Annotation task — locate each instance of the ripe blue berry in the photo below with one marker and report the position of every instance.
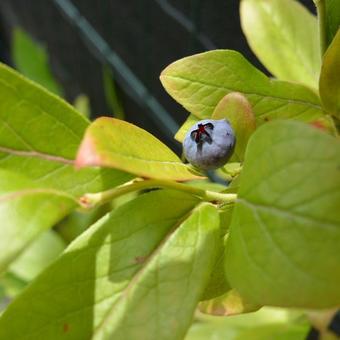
(209, 143)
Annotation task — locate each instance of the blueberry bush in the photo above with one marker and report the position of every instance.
(152, 243)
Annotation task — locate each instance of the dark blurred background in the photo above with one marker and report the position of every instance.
(129, 42)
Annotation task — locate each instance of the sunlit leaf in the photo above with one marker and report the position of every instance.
(26, 210)
(207, 185)
(38, 255)
(114, 143)
(40, 135)
(133, 264)
(237, 110)
(230, 303)
(200, 81)
(190, 121)
(266, 324)
(284, 36)
(161, 301)
(329, 78)
(283, 246)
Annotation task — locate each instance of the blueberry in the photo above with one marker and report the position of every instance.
(209, 143)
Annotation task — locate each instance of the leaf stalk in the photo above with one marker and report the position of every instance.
(91, 200)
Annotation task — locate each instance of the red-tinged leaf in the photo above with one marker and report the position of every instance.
(114, 143)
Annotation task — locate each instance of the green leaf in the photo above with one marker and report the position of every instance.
(237, 110)
(31, 60)
(332, 20)
(200, 81)
(2, 296)
(230, 171)
(190, 121)
(26, 210)
(82, 105)
(206, 184)
(218, 283)
(329, 78)
(283, 247)
(38, 256)
(114, 143)
(230, 303)
(266, 324)
(111, 94)
(12, 286)
(40, 135)
(162, 300)
(79, 220)
(277, 332)
(109, 267)
(284, 36)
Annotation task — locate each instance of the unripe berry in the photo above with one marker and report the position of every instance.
(209, 143)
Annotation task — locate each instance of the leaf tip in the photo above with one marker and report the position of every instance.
(162, 77)
(86, 155)
(324, 124)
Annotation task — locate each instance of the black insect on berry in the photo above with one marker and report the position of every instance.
(209, 143)
(197, 134)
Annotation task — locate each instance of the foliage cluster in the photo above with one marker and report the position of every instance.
(140, 261)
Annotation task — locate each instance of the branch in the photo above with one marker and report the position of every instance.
(92, 200)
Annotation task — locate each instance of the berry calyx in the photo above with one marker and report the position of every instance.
(202, 129)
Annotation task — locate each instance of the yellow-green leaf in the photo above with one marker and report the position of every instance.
(200, 81)
(230, 303)
(265, 324)
(139, 270)
(114, 143)
(190, 121)
(26, 210)
(283, 244)
(218, 283)
(38, 256)
(329, 78)
(237, 110)
(332, 19)
(31, 59)
(284, 36)
(39, 137)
